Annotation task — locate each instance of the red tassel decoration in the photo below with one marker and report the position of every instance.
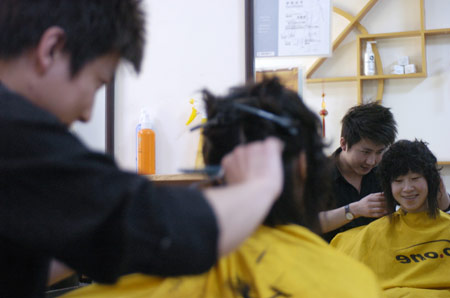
(323, 112)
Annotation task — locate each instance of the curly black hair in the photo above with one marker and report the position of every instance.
(300, 201)
(405, 156)
(370, 121)
(92, 28)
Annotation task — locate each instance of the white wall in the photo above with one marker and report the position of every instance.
(93, 132)
(421, 106)
(191, 45)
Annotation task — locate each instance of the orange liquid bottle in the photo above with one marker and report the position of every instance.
(146, 149)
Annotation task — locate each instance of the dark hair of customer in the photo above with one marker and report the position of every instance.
(302, 197)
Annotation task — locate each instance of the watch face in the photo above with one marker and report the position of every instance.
(349, 216)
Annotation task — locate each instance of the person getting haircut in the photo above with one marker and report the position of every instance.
(304, 193)
(407, 249)
(404, 157)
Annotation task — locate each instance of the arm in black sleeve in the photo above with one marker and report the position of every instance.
(61, 200)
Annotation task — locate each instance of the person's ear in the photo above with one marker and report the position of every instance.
(303, 166)
(343, 144)
(51, 43)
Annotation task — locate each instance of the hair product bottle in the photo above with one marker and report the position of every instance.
(145, 145)
(369, 60)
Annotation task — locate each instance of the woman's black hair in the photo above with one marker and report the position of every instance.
(299, 202)
(410, 156)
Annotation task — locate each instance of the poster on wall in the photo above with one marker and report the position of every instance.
(291, 78)
(292, 28)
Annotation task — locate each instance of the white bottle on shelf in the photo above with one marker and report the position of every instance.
(369, 60)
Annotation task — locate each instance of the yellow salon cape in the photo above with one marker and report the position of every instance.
(410, 254)
(287, 261)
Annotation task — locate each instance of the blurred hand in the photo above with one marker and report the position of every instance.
(373, 205)
(257, 162)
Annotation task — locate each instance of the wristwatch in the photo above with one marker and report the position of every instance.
(348, 214)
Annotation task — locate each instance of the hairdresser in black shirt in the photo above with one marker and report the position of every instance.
(60, 200)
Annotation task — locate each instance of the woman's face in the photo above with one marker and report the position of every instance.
(411, 191)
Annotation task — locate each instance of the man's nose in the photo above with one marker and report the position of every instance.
(371, 160)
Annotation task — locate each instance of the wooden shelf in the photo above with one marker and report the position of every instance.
(362, 77)
(354, 23)
(391, 35)
(333, 79)
(364, 37)
(444, 163)
(177, 179)
(437, 31)
(394, 76)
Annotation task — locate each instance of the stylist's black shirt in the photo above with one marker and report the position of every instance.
(344, 193)
(60, 200)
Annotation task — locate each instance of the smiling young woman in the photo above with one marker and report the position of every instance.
(411, 191)
(409, 249)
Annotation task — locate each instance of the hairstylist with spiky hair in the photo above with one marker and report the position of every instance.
(60, 200)
(367, 130)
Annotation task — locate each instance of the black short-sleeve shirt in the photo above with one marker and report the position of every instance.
(60, 200)
(344, 193)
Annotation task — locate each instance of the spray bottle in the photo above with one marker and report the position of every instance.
(369, 60)
(145, 145)
(198, 109)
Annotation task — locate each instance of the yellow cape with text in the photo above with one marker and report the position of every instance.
(286, 261)
(410, 254)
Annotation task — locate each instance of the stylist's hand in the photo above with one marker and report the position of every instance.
(373, 205)
(258, 162)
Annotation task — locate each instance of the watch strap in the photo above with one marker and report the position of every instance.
(348, 214)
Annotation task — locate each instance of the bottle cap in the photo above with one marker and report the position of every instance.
(144, 119)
